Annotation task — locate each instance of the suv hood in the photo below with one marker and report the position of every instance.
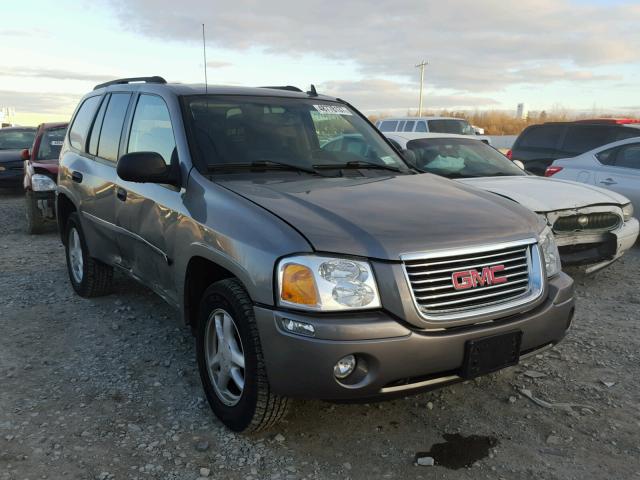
(385, 217)
(546, 194)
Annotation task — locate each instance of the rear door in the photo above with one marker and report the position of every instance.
(89, 181)
(619, 171)
(147, 212)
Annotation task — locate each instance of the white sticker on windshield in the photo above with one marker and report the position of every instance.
(332, 109)
(57, 143)
(388, 160)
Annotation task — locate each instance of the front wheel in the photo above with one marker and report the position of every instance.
(89, 277)
(230, 360)
(35, 222)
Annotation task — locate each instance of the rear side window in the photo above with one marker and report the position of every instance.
(94, 136)
(151, 130)
(51, 143)
(82, 122)
(112, 126)
(582, 138)
(541, 136)
(388, 126)
(408, 127)
(421, 126)
(629, 156)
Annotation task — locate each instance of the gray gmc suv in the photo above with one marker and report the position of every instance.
(305, 267)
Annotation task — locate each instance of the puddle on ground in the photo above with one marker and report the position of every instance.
(459, 451)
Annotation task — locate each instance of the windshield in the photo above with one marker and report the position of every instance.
(302, 133)
(460, 158)
(51, 143)
(451, 125)
(11, 139)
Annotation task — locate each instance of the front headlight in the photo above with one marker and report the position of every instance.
(550, 252)
(318, 283)
(42, 183)
(627, 211)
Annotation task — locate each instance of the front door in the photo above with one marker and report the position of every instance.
(147, 213)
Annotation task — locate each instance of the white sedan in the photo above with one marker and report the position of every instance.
(593, 226)
(615, 166)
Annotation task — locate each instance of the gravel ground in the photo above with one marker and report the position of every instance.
(108, 389)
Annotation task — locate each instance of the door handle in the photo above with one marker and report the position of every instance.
(76, 177)
(608, 181)
(121, 193)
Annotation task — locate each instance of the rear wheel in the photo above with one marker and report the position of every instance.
(35, 222)
(230, 360)
(89, 277)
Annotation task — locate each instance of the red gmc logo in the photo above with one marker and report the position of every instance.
(472, 278)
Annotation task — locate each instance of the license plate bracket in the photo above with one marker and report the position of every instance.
(488, 354)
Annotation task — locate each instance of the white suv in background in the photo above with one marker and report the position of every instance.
(452, 125)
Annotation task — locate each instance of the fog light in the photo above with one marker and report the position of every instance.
(344, 367)
(299, 328)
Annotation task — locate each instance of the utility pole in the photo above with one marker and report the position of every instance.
(421, 66)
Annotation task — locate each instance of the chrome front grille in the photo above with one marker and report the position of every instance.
(433, 278)
(596, 221)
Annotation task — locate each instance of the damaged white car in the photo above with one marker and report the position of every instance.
(592, 226)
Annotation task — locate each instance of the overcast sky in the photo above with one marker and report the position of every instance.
(482, 54)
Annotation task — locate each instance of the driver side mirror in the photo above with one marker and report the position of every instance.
(25, 154)
(409, 157)
(147, 167)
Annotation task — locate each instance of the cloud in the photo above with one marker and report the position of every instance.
(385, 95)
(471, 45)
(44, 103)
(218, 64)
(55, 74)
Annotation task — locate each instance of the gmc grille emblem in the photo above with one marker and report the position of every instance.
(473, 278)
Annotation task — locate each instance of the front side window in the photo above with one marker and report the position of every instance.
(109, 142)
(82, 122)
(582, 138)
(451, 125)
(304, 133)
(51, 143)
(14, 139)
(151, 130)
(461, 158)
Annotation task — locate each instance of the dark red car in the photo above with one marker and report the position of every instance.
(41, 174)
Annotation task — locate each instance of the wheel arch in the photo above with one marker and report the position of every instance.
(64, 208)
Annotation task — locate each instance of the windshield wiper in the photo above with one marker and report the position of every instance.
(259, 164)
(360, 164)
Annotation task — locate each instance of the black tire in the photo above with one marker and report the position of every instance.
(97, 277)
(258, 408)
(35, 222)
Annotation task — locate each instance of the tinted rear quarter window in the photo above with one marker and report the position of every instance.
(629, 156)
(388, 126)
(82, 122)
(112, 126)
(421, 126)
(541, 137)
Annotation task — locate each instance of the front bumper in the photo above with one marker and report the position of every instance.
(398, 359)
(595, 251)
(11, 174)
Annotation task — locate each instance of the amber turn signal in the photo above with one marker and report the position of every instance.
(298, 285)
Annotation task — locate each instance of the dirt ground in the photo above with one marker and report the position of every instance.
(108, 389)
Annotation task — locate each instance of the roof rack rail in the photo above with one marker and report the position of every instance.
(124, 81)
(290, 88)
